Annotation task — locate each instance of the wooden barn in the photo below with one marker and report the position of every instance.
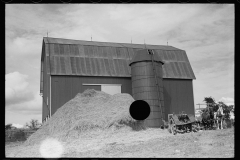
(72, 66)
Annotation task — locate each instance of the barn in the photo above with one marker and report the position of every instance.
(72, 66)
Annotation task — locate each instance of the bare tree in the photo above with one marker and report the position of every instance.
(33, 124)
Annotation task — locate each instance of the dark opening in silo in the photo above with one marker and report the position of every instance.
(147, 84)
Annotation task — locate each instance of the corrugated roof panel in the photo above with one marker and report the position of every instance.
(52, 67)
(73, 65)
(114, 52)
(181, 55)
(87, 51)
(159, 53)
(93, 66)
(115, 63)
(185, 56)
(107, 66)
(46, 50)
(58, 64)
(171, 70)
(164, 71)
(90, 50)
(178, 56)
(175, 74)
(94, 51)
(78, 66)
(111, 66)
(109, 53)
(186, 69)
(131, 52)
(121, 67)
(182, 70)
(66, 50)
(165, 56)
(100, 52)
(81, 50)
(62, 61)
(178, 69)
(55, 49)
(168, 55)
(61, 49)
(190, 71)
(122, 53)
(102, 65)
(174, 57)
(88, 66)
(97, 65)
(105, 54)
(83, 66)
(47, 65)
(126, 68)
(73, 50)
(68, 65)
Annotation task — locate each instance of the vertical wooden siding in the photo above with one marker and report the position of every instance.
(178, 96)
(64, 88)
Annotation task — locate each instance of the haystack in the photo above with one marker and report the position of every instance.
(88, 111)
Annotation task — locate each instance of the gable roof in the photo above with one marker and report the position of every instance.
(91, 58)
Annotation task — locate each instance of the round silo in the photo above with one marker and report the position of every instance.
(147, 84)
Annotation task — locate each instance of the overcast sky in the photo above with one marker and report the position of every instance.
(204, 31)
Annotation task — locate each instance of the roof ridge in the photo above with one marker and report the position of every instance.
(122, 44)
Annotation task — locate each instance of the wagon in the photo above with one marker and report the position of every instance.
(180, 123)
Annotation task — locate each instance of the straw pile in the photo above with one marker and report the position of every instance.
(88, 111)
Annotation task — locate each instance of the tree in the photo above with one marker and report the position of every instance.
(33, 124)
(8, 126)
(211, 103)
(209, 100)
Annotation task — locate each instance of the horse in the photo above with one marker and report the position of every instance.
(232, 118)
(220, 117)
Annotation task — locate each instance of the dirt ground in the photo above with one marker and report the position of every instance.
(149, 143)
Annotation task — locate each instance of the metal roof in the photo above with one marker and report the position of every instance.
(91, 58)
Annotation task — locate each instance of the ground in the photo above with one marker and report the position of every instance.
(156, 143)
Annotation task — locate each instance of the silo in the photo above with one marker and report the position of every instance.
(147, 84)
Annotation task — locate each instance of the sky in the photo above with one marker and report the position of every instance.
(204, 31)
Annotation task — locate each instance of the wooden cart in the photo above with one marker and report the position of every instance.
(178, 126)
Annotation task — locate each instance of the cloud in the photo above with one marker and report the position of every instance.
(16, 88)
(17, 125)
(227, 100)
(34, 106)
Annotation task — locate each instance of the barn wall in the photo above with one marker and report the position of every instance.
(46, 85)
(178, 96)
(45, 91)
(64, 88)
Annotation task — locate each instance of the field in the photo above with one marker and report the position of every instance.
(124, 142)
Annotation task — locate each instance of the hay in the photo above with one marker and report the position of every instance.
(87, 112)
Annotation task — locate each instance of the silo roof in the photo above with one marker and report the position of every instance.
(143, 55)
